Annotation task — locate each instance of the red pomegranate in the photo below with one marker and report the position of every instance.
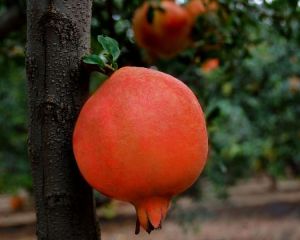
(141, 138)
(169, 31)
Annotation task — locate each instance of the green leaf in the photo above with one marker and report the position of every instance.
(93, 59)
(110, 45)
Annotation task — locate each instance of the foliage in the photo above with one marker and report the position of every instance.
(107, 58)
(251, 101)
(14, 167)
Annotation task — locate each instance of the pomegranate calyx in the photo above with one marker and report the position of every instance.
(151, 213)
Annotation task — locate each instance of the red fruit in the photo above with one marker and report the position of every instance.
(16, 203)
(141, 138)
(210, 65)
(197, 7)
(166, 33)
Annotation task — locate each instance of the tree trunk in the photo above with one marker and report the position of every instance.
(58, 36)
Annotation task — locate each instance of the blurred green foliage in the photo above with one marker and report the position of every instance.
(251, 101)
(14, 166)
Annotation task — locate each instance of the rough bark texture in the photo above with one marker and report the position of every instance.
(58, 36)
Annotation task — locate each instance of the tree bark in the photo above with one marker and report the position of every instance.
(58, 35)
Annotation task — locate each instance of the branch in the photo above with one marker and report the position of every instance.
(89, 68)
(11, 20)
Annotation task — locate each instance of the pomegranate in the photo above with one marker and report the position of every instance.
(166, 33)
(197, 7)
(210, 65)
(16, 203)
(141, 138)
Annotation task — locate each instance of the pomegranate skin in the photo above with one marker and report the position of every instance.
(141, 138)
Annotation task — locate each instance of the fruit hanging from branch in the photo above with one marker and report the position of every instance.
(141, 138)
(163, 28)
